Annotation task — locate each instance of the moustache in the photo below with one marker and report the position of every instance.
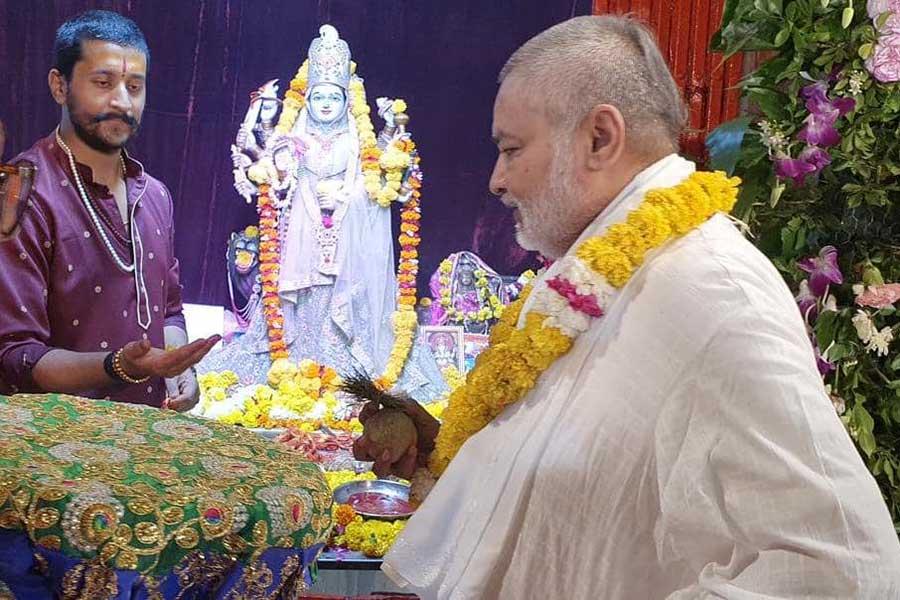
(128, 120)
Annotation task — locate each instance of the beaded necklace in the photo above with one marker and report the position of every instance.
(95, 218)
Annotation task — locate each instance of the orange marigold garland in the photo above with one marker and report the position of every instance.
(269, 267)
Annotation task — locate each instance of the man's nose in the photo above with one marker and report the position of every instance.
(497, 184)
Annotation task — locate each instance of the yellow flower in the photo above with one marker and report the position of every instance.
(280, 370)
(399, 106)
(308, 368)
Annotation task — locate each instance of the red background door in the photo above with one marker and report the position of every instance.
(683, 29)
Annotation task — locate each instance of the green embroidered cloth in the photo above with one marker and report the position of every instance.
(141, 489)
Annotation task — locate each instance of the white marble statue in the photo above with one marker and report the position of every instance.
(337, 271)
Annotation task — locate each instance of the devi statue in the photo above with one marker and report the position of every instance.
(323, 183)
(467, 292)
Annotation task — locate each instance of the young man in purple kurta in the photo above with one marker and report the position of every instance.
(89, 290)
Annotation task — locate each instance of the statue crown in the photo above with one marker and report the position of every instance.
(329, 59)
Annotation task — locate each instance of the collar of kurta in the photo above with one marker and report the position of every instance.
(133, 170)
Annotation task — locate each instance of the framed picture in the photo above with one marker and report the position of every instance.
(473, 345)
(446, 345)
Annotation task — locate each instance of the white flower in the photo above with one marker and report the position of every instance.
(865, 329)
(772, 136)
(830, 304)
(879, 341)
(856, 82)
(858, 289)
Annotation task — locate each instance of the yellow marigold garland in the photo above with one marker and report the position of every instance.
(516, 357)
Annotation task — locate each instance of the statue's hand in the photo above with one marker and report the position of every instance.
(385, 110)
(245, 139)
(328, 200)
(239, 160)
(244, 186)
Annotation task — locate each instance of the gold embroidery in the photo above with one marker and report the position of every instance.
(51, 542)
(147, 533)
(89, 581)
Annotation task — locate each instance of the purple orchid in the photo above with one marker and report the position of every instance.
(819, 129)
(815, 156)
(825, 367)
(823, 270)
(810, 162)
(793, 168)
(807, 302)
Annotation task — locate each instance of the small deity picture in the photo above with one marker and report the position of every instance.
(446, 344)
(473, 345)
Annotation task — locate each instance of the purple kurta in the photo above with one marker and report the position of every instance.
(59, 286)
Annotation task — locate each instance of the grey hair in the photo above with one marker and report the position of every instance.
(586, 61)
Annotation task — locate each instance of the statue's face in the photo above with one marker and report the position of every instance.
(283, 159)
(467, 275)
(268, 109)
(246, 253)
(327, 102)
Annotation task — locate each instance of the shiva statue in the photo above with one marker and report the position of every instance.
(332, 275)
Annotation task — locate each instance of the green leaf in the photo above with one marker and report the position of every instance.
(889, 471)
(839, 352)
(783, 36)
(826, 326)
(895, 366)
(865, 51)
(867, 442)
(863, 419)
(773, 104)
(775, 195)
(882, 19)
(847, 17)
(724, 144)
(864, 424)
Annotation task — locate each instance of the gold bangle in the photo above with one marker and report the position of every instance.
(120, 370)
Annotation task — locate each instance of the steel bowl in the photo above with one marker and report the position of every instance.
(382, 486)
(269, 434)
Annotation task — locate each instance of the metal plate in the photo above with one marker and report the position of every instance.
(269, 434)
(382, 486)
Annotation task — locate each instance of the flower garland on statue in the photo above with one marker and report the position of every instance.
(494, 308)
(269, 269)
(383, 173)
(566, 305)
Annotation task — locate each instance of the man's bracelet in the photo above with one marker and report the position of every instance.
(112, 364)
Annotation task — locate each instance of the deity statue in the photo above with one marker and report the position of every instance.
(323, 183)
(242, 264)
(469, 293)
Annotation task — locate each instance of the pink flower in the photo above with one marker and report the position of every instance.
(584, 303)
(884, 64)
(880, 296)
(876, 8)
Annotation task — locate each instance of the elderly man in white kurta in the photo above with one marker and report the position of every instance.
(685, 446)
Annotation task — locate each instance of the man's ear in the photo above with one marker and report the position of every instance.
(59, 87)
(604, 127)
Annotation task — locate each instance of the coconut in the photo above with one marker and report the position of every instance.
(392, 430)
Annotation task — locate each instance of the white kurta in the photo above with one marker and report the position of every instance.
(684, 448)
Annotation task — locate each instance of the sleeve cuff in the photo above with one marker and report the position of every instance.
(17, 364)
